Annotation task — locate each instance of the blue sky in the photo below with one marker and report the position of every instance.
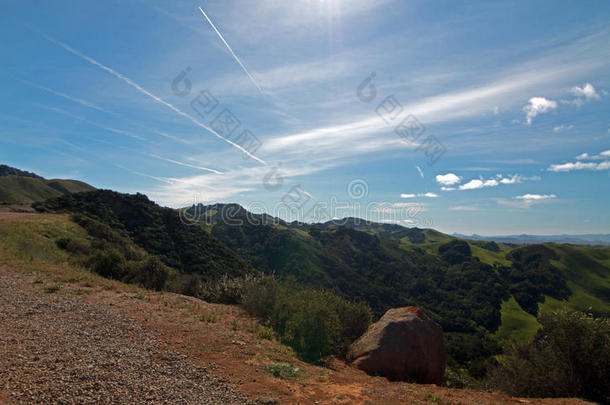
(515, 95)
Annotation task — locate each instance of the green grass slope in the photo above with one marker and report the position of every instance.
(21, 190)
(517, 325)
(587, 271)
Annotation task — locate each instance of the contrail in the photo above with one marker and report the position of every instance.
(185, 164)
(66, 96)
(173, 138)
(231, 50)
(151, 95)
(69, 114)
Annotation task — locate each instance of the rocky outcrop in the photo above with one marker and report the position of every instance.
(404, 345)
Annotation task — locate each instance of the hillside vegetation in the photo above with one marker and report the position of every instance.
(155, 335)
(18, 187)
(484, 294)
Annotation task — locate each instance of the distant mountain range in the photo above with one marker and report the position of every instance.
(587, 239)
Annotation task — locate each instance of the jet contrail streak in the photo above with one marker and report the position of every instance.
(66, 96)
(151, 95)
(185, 164)
(231, 50)
(69, 114)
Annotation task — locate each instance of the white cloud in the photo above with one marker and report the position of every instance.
(587, 91)
(535, 196)
(448, 179)
(562, 128)
(585, 156)
(420, 171)
(603, 165)
(472, 185)
(537, 106)
(476, 184)
(582, 94)
(580, 165)
(426, 195)
(511, 180)
(479, 183)
(567, 167)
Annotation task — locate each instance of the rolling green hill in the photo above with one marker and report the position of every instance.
(160, 231)
(18, 187)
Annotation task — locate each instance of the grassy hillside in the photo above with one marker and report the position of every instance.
(26, 190)
(18, 187)
(160, 231)
(587, 271)
(517, 325)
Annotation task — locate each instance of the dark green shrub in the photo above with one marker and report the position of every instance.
(226, 290)
(570, 356)
(285, 371)
(187, 284)
(110, 264)
(73, 246)
(456, 251)
(260, 297)
(315, 323)
(150, 273)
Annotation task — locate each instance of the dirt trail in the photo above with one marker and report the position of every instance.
(58, 349)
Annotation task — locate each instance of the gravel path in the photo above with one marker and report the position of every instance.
(57, 349)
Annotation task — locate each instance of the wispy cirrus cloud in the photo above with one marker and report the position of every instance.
(425, 195)
(525, 201)
(536, 197)
(464, 208)
(563, 128)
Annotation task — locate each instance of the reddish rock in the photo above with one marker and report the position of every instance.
(404, 345)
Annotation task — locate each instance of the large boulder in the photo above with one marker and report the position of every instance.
(404, 345)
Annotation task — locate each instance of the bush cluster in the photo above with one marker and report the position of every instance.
(112, 255)
(570, 356)
(315, 323)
